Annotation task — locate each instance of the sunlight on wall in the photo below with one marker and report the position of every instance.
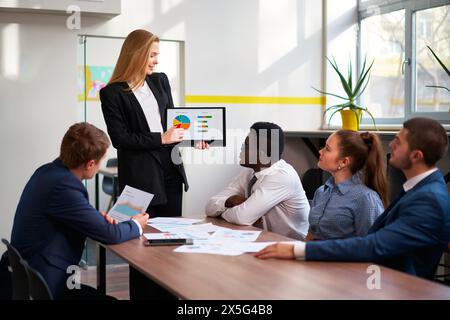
(276, 36)
(341, 36)
(10, 51)
(177, 32)
(313, 18)
(273, 89)
(169, 63)
(168, 5)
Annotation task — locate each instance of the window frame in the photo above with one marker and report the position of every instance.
(365, 10)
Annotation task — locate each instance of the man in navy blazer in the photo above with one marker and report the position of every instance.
(54, 217)
(414, 230)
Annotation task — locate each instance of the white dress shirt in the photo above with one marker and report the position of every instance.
(150, 107)
(300, 247)
(411, 183)
(277, 197)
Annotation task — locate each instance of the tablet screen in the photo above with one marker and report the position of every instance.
(207, 124)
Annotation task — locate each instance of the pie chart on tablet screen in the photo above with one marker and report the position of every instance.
(182, 121)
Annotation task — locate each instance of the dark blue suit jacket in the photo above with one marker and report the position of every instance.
(52, 221)
(409, 236)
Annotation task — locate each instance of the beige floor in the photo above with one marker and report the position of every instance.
(116, 280)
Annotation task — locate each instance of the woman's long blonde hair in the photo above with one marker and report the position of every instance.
(133, 58)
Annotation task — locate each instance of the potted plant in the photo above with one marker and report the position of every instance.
(443, 67)
(350, 112)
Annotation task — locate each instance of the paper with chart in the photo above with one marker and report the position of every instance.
(131, 202)
(171, 235)
(209, 247)
(236, 235)
(224, 247)
(178, 235)
(166, 224)
(172, 221)
(247, 247)
(184, 227)
(204, 227)
(242, 247)
(200, 123)
(227, 242)
(222, 241)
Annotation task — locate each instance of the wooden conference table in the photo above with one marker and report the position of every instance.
(207, 276)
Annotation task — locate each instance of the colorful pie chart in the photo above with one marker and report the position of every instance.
(182, 121)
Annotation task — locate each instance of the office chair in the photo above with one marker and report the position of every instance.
(312, 179)
(38, 288)
(447, 177)
(110, 185)
(19, 279)
(445, 276)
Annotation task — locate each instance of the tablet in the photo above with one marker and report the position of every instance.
(200, 123)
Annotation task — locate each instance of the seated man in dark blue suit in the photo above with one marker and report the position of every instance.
(54, 217)
(414, 230)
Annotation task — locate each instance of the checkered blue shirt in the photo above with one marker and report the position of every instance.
(344, 210)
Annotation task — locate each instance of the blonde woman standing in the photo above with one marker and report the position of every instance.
(134, 106)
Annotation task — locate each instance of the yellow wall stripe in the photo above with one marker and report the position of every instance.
(255, 100)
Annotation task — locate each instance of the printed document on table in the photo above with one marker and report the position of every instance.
(226, 248)
(178, 235)
(204, 227)
(131, 202)
(249, 246)
(236, 235)
(211, 248)
(232, 245)
(172, 221)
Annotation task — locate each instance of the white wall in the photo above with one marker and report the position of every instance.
(37, 100)
(233, 47)
(249, 48)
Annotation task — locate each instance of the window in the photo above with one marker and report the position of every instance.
(436, 34)
(396, 34)
(384, 41)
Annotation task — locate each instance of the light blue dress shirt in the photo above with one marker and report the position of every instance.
(344, 210)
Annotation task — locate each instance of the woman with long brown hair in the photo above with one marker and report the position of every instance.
(356, 194)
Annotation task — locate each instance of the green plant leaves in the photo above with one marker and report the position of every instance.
(443, 67)
(343, 80)
(440, 62)
(360, 84)
(440, 87)
(331, 94)
(362, 78)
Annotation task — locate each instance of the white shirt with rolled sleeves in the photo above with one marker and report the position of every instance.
(277, 197)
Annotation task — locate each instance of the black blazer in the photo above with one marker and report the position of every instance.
(138, 149)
